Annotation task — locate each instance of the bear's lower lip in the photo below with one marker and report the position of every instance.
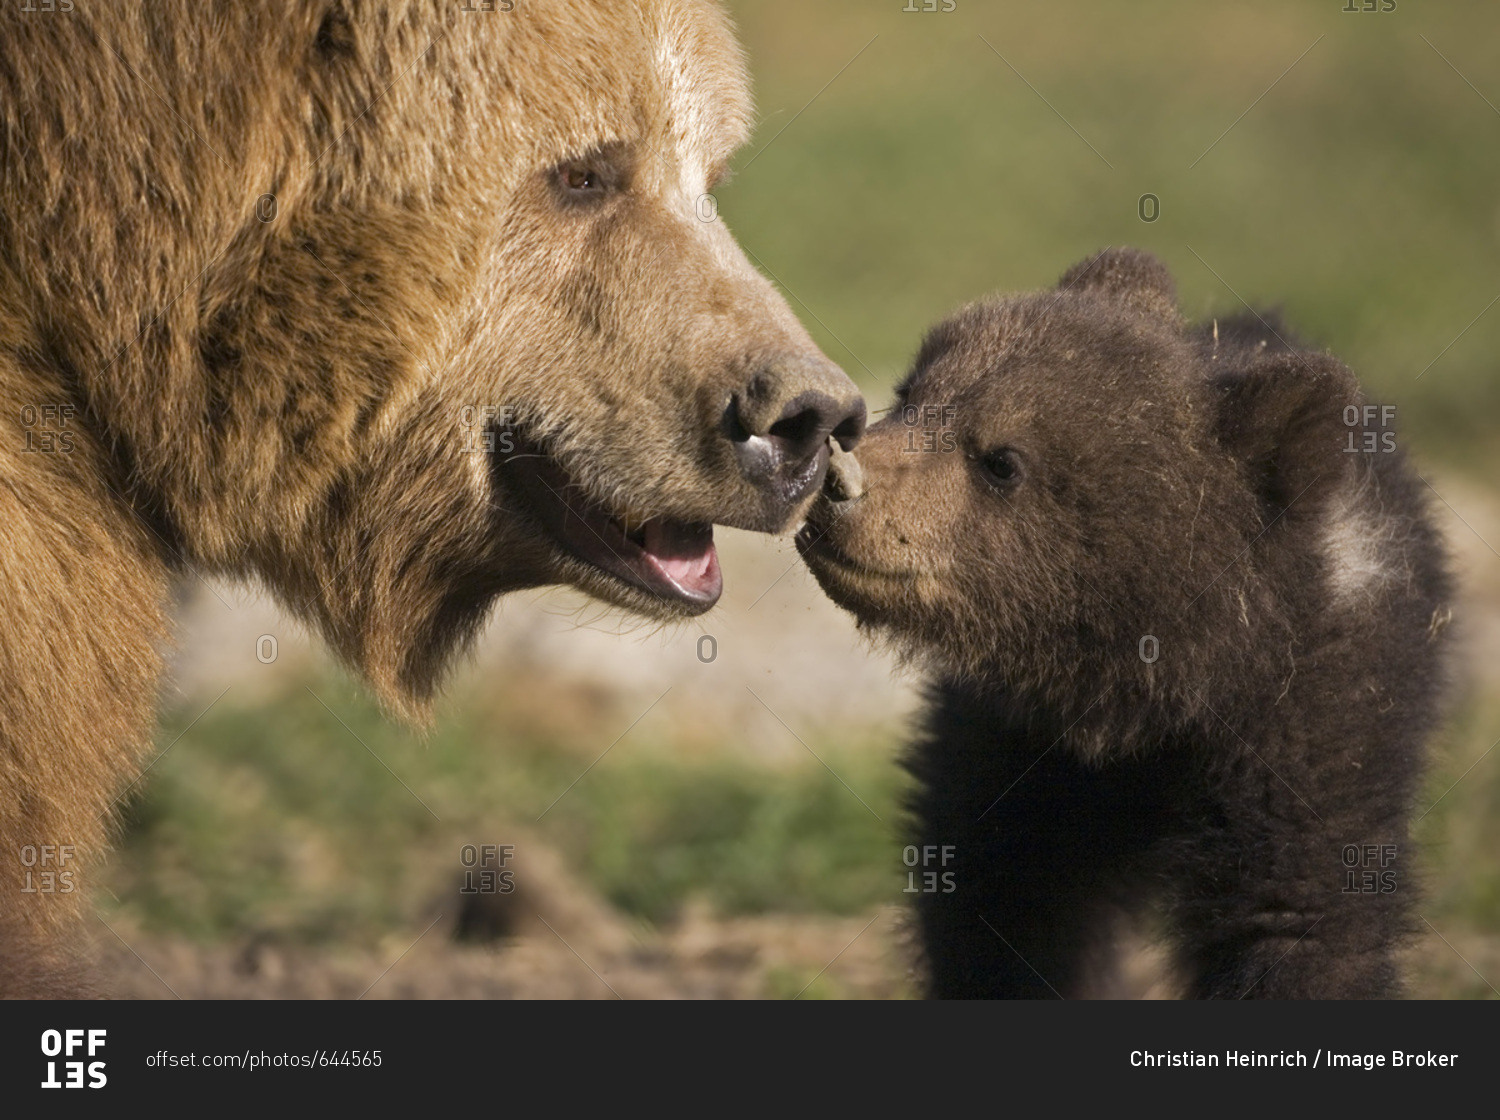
(670, 560)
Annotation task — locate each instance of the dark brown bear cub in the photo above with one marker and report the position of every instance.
(1185, 610)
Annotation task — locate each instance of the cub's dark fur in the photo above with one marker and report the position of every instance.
(1186, 610)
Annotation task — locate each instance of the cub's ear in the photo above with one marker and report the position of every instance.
(1134, 277)
(1284, 418)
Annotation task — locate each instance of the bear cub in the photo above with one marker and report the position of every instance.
(1184, 609)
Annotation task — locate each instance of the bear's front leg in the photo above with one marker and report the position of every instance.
(1032, 859)
(84, 598)
(1293, 895)
(1333, 952)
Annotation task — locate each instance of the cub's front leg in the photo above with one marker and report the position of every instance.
(1020, 860)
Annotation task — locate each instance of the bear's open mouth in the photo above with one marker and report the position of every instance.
(668, 559)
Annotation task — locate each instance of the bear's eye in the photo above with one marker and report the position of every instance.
(1001, 468)
(582, 180)
(592, 176)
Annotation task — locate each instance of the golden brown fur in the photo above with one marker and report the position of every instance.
(282, 390)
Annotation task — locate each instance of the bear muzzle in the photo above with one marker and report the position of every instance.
(783, 426)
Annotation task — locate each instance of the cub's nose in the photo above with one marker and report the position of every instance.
(781, 421)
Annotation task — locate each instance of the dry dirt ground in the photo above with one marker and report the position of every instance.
(583, 950)
(747, 958)
(553, 939)
(558, 940)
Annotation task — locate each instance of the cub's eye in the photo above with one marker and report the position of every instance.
(1001, 468)
(581, 179)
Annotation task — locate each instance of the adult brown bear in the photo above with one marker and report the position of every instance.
(394, 307)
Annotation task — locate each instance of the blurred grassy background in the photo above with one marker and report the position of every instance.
(291, 823)
(1357, 191)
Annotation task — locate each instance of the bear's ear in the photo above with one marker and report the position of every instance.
(1131, 276)
(1285, 418)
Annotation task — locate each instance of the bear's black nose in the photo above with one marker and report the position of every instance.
(780, 424)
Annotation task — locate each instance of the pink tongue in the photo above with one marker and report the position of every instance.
(685, 553)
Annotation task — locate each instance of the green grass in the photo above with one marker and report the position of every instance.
(278, 818)
(1458, 838)
(1460, 827)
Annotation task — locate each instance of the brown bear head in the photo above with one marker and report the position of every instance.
(399, 306)
(1076, 497)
